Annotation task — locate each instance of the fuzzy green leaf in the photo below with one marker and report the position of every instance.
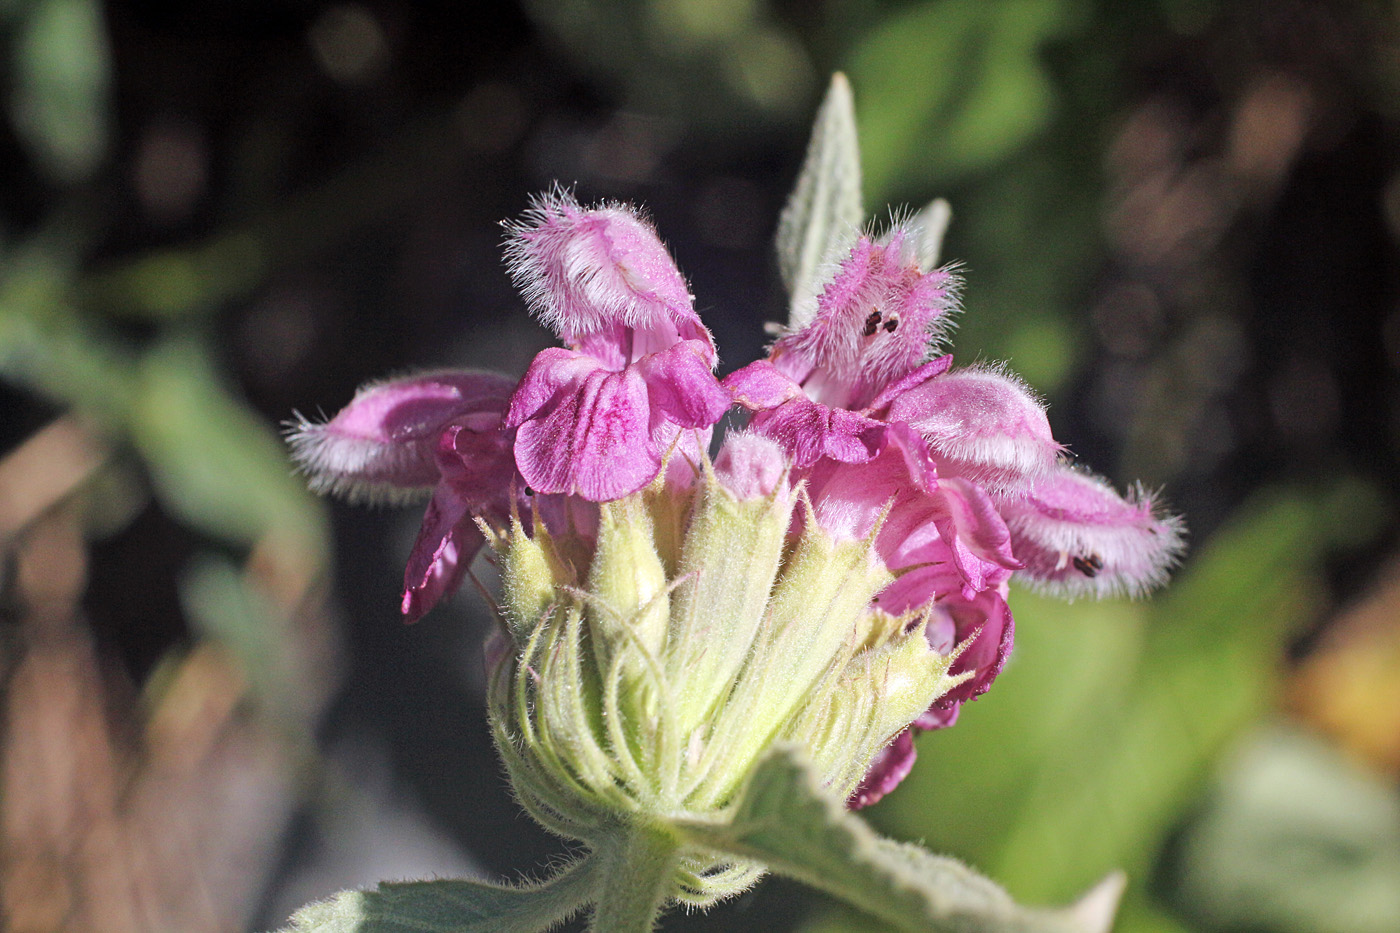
(825, 212)
(785, 821)
(452, 906)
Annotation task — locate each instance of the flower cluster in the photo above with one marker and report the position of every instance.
(858, 536)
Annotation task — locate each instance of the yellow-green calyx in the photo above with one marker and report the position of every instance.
(651, 668)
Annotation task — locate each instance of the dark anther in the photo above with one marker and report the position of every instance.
(531, 492)
(872, 321)
(1089, 566)
(891, 324)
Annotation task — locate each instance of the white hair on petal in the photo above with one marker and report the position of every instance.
(1127, 554)
(340, 465)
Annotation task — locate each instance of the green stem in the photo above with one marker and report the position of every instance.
(640, 866)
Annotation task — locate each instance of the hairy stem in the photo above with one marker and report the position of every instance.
(639, 871)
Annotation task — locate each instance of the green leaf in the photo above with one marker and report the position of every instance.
(216, 464)
(953, 86)
(62, 77)
(787, 822)
(824, 213)
(452, 906)
(1295, 836)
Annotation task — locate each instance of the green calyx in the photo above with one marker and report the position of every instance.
(656, 664)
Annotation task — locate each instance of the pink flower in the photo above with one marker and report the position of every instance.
(923, 521)
(834, 389)
(437, 431)
(597, 419)
(958, 466)
(1079, 537)
(865, 360)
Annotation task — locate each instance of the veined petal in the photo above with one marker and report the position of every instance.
(983, 424)
(382, 445)
(447, 541)
(761, 385)
(682, 387)
(591, 437)
(553, 370)
(1076, 536)
(602, 273)
(809, 431)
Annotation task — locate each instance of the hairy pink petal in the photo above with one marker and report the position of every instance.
(383, 443)
(1076, 536)
(875, 322)
(981, 424)
(891, 765)
(591, 438)
(602, 272)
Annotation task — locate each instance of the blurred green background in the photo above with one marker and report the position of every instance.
(1177, 218)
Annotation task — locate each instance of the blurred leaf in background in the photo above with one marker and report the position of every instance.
(61, 79)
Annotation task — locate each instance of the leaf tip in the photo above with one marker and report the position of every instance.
(1094, 912)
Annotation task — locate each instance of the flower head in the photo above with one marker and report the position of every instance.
(837, 577)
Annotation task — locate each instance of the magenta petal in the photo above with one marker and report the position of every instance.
(981, 424)
(984, 634)
(760, 386)
(681, 386)
(474, 459)
(1077, 536)
(891, 765)
(591, 438)
(809, 431)
(850, 497)
(934, 367)
(446, 544)
(980, 541)
(383, 443)
(935, 520)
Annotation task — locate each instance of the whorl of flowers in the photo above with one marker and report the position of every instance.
(835, 577)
